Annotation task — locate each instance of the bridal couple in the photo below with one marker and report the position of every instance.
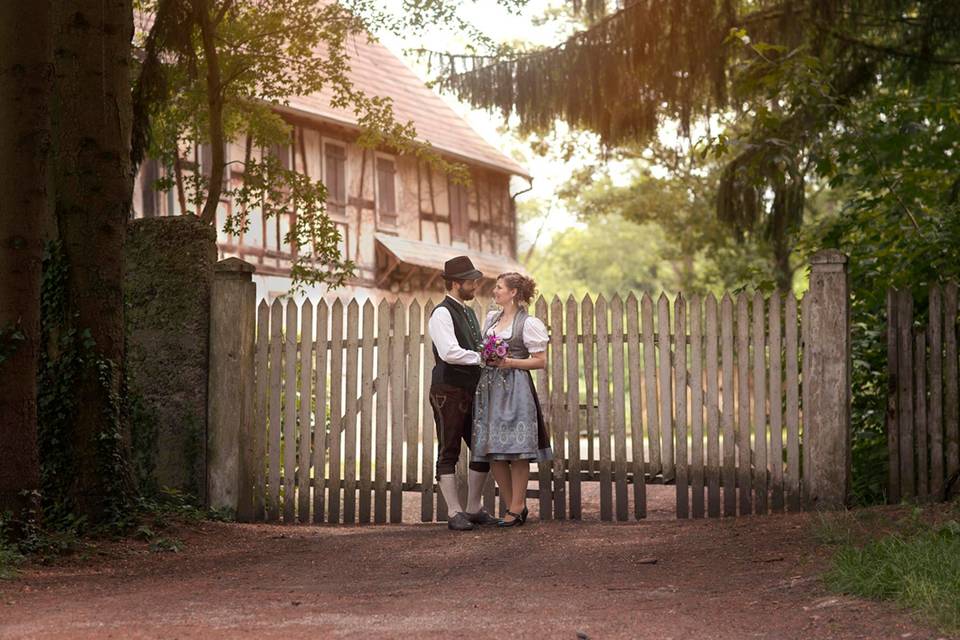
(487, 399)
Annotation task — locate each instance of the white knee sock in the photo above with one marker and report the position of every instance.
(475, 482)
(448, 487)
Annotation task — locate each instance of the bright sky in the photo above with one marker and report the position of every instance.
(548, 173)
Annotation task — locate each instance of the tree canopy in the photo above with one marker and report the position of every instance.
(786, 73)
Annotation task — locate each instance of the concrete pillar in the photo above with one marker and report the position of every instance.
(826, 378)
(230, 391)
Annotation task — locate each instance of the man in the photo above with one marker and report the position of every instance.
(455, 332)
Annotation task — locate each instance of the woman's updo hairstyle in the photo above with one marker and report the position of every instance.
(524, 286)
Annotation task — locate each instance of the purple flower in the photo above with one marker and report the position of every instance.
(501, 350)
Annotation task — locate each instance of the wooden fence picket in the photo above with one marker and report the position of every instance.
(336, 412)
(428, 430)
(545, 469)
(920, 413)
(935, 373)
(573, 408)
(776, 404)
(665, 380)
(650, 383)
(603, 387)
(558, 411)
(383, 405)
(905, 392)
(320, 440)
(397, 426)
(366, 411)
(290, 413)
(792, 404)
(951, 398)
(891, 418)
(412, 386)
(760, 472)
(638, 467)
(713, 409)
(680, 407)
(727, 408)
(276, 380)
(619, 424)
(696, 409)
(590, 410)
(305, 417)
(350, 414)
(262, 406)
(744, 459)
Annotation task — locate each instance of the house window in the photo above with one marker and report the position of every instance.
(204, 158)
(459, 217)
(282, 153)
(335, 178)
(386, 191)
(254, 236)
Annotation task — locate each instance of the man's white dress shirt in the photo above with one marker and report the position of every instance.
(444, 338)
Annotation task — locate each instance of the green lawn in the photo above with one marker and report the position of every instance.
(917, 565)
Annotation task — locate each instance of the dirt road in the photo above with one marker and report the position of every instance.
(745, 578)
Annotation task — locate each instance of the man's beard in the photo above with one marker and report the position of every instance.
(467, 295)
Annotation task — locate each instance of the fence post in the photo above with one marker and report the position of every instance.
(230, 462)
(826, 423)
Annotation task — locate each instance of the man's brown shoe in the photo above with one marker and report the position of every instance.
(460, 522)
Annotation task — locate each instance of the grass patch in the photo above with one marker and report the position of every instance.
(917, 566)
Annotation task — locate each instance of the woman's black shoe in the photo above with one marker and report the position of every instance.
(516, 522)
(524, 514)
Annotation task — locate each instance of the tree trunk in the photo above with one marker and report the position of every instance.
(94, 181)
(215, 108)
(782, 268)
(26, 84)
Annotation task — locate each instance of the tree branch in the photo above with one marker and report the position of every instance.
(889, 50)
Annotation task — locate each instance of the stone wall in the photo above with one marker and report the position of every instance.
(170, 263)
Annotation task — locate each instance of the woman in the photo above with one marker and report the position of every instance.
(508, 427)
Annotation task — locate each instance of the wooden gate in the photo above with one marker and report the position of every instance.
(699, 393)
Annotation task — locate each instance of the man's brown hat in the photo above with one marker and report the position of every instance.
(460, 268)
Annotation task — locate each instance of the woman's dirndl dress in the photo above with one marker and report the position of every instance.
(507, 419)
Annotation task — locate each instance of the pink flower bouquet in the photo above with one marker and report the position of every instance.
(494, 348)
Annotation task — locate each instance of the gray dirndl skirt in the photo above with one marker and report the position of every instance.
(507, 419)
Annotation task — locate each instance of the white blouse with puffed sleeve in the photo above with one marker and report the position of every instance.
(535, 336)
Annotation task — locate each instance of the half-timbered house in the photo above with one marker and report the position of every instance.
(399, 218)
